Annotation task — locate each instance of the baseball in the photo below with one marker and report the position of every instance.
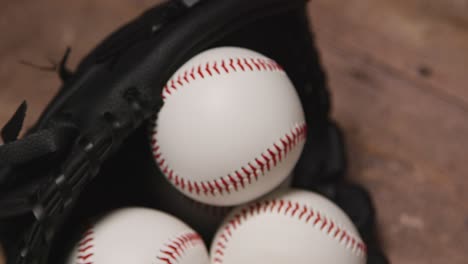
(290, 226)
(231, 128)
(139, 235)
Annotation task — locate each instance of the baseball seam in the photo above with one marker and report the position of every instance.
(292, 209)
(174, 250)
(86, 248)
(223, 66)
(241, 177)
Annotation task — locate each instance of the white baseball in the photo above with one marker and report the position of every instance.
(139, 235)
(290, 226)
(231, 128)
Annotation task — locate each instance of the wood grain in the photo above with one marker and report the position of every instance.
(451, 11)
(406, 127)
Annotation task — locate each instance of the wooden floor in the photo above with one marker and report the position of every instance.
(398, 71)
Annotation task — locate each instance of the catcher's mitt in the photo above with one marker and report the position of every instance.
(63, 166)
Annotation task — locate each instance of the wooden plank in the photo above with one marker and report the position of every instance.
(410, 155)
(452, 11)
(430, 51)
(407, 139)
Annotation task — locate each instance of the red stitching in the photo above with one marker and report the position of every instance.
(262, 63)
(175, 249)
(85, 248)
(248, 64)
(270, 158)
(186, 76)
(179, 80)
(353, 243)
(228, 66)
(223, 64)
(200, 72)
(215, 67)
(255, 63)
(170, 255)
(192, 73)
(231, 63)
(208, 69)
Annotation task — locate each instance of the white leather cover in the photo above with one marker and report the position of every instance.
(139, 235)
(289, 226)
(226, 112)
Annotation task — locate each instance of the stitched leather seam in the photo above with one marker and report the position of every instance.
(221, 67)
(291, 209)
(86, 248)
(240, 178)
(173, 251)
